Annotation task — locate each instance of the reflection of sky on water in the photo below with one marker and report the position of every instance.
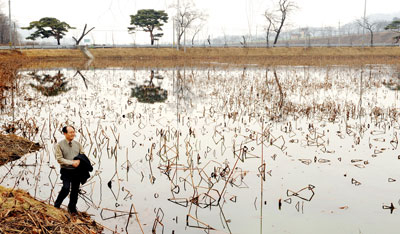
(351, 159)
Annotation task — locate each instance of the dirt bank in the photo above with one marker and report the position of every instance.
(13, 147)
(21, 213)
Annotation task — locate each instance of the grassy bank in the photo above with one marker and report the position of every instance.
(21, 213)
(168, 57)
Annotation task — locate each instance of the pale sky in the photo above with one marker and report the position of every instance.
(240, 17)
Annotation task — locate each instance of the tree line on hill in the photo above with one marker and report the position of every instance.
(350, 33)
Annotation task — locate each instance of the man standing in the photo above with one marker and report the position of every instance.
(65, 152)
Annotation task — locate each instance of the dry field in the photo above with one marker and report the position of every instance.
(168, 57)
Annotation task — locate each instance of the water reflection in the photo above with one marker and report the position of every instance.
(50, 85)
(394, 82)
(148, 92)
(228, 150)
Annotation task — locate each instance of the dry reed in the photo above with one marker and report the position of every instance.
(203, 57)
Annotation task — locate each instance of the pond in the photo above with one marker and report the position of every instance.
(219, 150)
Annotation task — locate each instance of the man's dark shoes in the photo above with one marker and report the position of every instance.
(72, 211)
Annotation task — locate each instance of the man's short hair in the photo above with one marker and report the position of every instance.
(64, 129)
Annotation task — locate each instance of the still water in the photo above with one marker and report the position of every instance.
(219, 150)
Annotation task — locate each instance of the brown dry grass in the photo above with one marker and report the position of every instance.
(215, 52)
(9, 63)
(13, 147)
(169, 57)
(21, 213)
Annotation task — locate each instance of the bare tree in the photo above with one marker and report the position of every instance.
(84, 33)
(365, 23)
(244, 43)
(196, 30)
(271, 20)
(285, 7)
(186, 17)
(197, 27)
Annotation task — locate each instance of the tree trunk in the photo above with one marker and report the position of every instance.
(180, 34)
(284, 7)
(151, 37)
(268, 30)
(1, 32)
(372, 38)
(1, 36)
(278, 32)
(179, 40)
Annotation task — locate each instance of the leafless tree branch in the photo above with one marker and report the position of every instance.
(84, 33)
(366, 24)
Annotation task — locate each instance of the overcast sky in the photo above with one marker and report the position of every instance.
(240, 17)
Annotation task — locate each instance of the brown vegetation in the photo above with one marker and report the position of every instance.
(9, 63)
(12, 147)
(169, 57)
(21, 213)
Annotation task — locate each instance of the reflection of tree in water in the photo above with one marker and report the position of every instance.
(149, 93)
(183, 88)
(50, 85)
(393, 83)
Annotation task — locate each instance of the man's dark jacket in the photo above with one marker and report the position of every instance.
(82, 171)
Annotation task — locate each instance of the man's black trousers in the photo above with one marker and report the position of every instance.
(70, 182)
